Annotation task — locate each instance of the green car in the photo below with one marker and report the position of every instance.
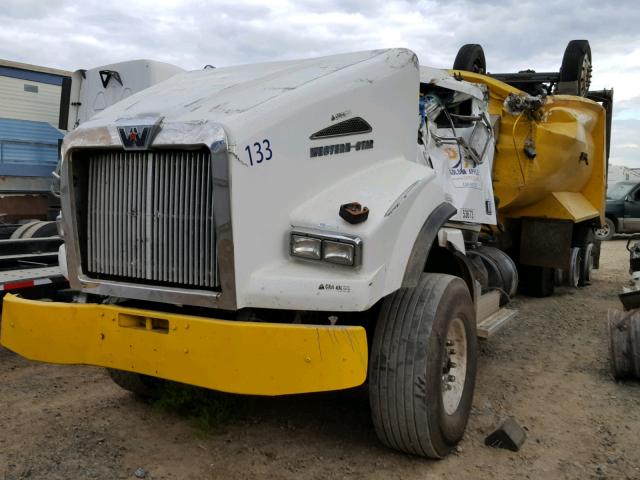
(623, 210)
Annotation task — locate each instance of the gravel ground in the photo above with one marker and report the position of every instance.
(548, 369)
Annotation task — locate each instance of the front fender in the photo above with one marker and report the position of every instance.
(401, 197)
(422, 246)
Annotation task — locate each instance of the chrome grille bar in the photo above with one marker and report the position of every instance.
(150, 217)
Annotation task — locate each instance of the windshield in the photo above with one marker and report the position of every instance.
(619, 190)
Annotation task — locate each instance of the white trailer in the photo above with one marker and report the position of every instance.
(98, 88)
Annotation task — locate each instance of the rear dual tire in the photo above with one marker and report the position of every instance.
(581, 264)
(587, 257)
(576, 66)
(471, 58)
(423, 366)
(575, 267)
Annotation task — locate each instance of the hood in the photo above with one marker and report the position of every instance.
(225, 94)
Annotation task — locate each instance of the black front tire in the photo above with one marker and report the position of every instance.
(142, 386)
(470, 58)
(410, 366)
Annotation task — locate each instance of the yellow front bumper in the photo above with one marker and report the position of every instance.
(230, 356)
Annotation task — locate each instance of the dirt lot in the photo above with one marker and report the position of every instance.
(548, 369)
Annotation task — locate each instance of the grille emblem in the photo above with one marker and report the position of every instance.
(137, 137)
(133, 135)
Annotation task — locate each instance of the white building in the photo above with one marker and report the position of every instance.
(620, 173)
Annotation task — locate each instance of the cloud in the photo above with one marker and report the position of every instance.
(625, 143)
(516, 34)
(627, 109)
(26, 9)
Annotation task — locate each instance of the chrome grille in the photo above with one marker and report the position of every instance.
(150, 217)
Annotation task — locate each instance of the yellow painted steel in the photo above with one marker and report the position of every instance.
(561, 205)
(567, 178)
(231, 356)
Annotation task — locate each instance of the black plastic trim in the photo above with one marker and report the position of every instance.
(351, 126)
(424, 241)
(65, 98)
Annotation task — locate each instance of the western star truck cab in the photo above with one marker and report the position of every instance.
(284, 228)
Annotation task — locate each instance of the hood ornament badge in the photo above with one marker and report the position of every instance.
(138, 136)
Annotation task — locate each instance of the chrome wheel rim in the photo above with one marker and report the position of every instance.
(585, 76)
(575, 269)
(454, 366)
(589, 264)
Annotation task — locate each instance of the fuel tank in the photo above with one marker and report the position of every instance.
(550, 160)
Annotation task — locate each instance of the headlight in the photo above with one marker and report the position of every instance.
(333, 248)
(306, 247)
(336, 252)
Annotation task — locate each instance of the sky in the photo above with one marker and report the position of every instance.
(515, 34)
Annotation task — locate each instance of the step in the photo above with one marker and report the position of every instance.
(487, 304)
(494, 322)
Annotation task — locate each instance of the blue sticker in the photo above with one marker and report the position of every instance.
(218, 146)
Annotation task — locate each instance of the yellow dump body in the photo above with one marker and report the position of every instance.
(567, 178)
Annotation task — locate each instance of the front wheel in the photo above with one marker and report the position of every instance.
(423, 366)
(142, 386)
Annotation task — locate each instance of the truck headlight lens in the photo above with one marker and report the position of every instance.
(306, 247)
(336, 252)
(337, 248)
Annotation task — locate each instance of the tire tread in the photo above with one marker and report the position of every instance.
(131, 382)
(400, 422)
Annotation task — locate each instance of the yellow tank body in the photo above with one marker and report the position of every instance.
(567, 178)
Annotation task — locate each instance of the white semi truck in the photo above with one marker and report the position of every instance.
(285, 228)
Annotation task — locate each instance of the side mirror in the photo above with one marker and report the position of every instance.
(627, 198)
